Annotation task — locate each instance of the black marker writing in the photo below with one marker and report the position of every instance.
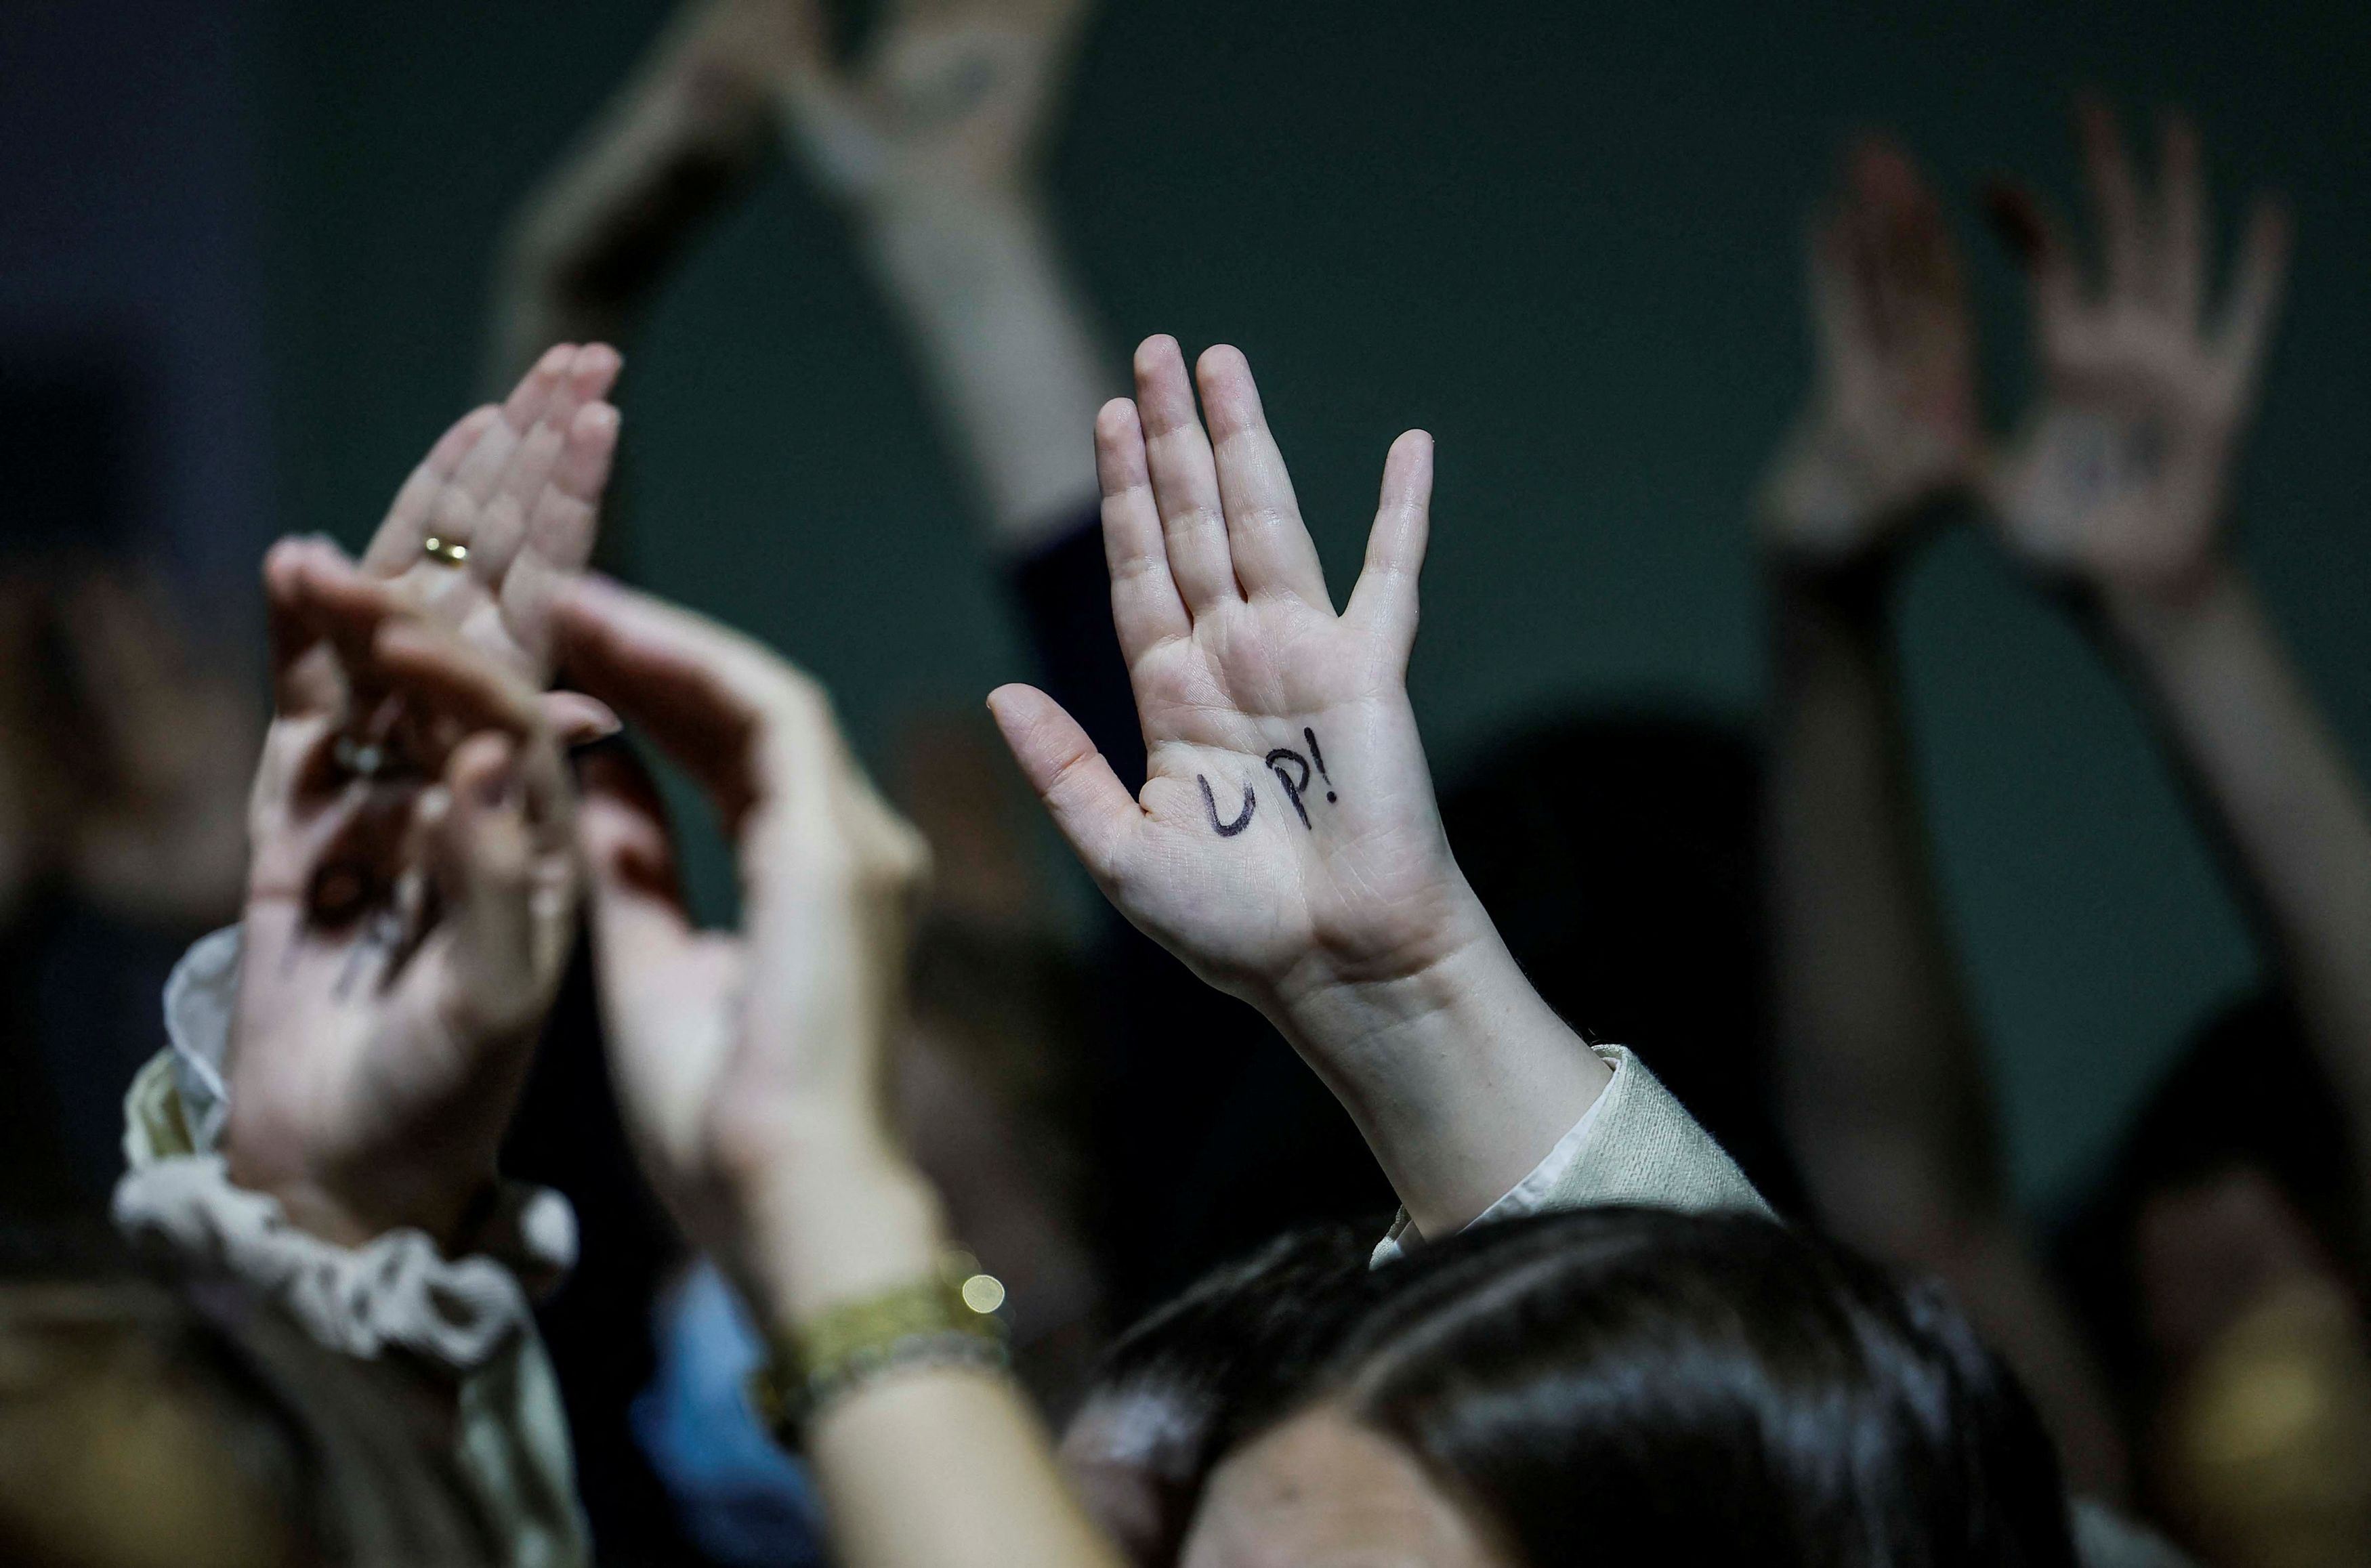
(1227, 829)
(1293, 788)
(1310, 736)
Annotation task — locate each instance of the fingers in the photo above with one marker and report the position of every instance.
(1270, 546)
(1184, 477)
(296, 574)
(2256, 288)
(1088, 802)
(2122, 241)
(1146, 609)
(397, 544)
(546, 497)
(714, 701)
(1385, 602)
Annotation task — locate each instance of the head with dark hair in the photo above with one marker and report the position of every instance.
(1620, 855)
(1143, 1437)
(1636, 1386)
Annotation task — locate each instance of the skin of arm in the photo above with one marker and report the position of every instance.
(1286, 846)
(1884, 1085)
(2118, 483)
(751, 1066)
(592, 243)
(933, 144)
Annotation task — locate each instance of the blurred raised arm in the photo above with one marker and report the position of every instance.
(589, 245)
(933, 142)
(2120, 483)
(1886, 1092)
(751, 1065)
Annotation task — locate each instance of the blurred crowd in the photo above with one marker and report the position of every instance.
(1594, 1157)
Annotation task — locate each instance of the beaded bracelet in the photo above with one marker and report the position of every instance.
(946, 1321)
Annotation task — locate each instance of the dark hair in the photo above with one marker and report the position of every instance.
(1177, 1378)
(1620, 855)
(1635, 1385)
(1246, 1328)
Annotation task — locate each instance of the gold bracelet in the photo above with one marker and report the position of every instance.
(948, 1320)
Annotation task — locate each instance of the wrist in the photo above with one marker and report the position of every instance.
(354, 1212)
(1459, 1074)
(2144, 613)
(830, 1212)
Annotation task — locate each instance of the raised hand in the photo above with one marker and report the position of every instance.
(2118, 475)
(409, 908)
(1891, 423)
(515, 489)
(1286, 844)
(737, 1052)
(952, 94)
(1287, 833)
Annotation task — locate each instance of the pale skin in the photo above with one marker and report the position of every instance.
(400, 948)
(1352, 931)
(1884, 1081)
(750, 1064)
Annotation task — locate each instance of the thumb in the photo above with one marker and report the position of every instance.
(1088, 803)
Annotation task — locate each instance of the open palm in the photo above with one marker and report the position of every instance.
(2120, 472)
(515, 486)
(1286, 836)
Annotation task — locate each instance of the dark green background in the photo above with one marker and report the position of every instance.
(1561, 236)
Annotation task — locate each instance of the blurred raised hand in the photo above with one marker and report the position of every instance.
(1286, 844)
(409, 908)
(161, 837)
(1891, 424)
(2118, 475)
(949, 94)
(516, 489)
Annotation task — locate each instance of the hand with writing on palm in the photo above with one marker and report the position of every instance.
(2118, 476)
(1286, 840)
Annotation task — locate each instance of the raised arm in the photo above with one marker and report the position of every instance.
(751, 1067)
(591, 243)
(2120, 483)
(1885, 1089)
(1286, 846)
(933, 142)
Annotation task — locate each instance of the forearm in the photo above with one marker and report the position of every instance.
(1460, 1077)
(1885, 1089)
(1007, 343)
(922, 1467)
(2290, 809)
(593, 244)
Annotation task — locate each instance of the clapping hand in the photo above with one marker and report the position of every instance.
(750, 1063)
(2120, 475)
(409, 908)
